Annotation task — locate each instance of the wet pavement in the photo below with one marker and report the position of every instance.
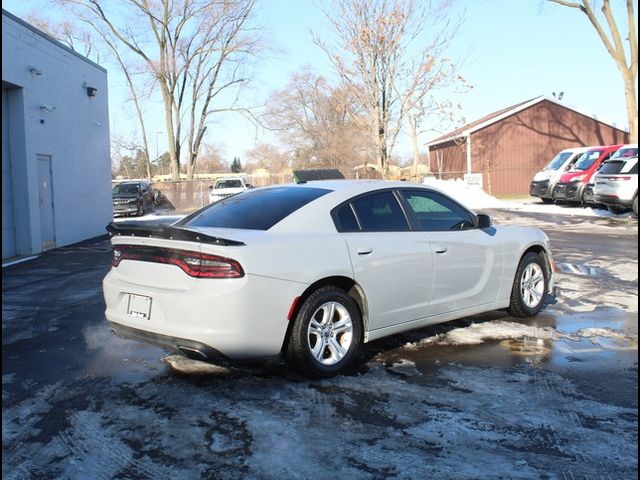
(488, 396)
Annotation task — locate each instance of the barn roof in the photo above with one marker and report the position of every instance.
(499, 115)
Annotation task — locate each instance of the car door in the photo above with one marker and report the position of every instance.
(391, 263)
(467, 261)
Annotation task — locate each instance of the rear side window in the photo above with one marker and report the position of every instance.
(258, 209)
(380, 212)
(345, 219)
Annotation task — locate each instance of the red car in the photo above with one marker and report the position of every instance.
(571, 186)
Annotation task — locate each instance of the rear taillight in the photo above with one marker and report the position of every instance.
(194, 264)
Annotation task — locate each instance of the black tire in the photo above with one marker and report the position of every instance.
(140, 211)
(299, 349)
(635, 206)
(518, 307)
(547, 200)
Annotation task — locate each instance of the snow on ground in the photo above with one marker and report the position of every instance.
(477, 199)
(478, 333)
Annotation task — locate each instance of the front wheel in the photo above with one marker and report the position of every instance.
(326, 334)
(635, 206)
(529, 286)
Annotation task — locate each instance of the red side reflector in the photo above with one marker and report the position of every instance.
(294, 304)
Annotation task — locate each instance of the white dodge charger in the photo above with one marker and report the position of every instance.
(311, 271)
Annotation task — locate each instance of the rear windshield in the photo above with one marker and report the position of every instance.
(258, 209)
(612, 166)
(558, 161)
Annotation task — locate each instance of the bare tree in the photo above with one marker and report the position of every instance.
(196, 51)
(612, 40)
(375, 53)
(210, 160)
(68, 34)
(84, 42)
(319, 123)
(266, 155)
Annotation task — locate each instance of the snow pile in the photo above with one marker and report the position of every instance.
(477, 333)
(475, 198)
(471, 197)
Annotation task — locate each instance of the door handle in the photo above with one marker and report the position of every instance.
(440, 249)
(365, 251)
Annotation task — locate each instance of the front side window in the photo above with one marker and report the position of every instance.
(436, 213)
(380, 212)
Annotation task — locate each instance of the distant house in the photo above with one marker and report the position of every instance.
(56, 170)
(509, 146)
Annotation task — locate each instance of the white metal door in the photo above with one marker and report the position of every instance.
(45, 192)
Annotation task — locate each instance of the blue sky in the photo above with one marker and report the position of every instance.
(513, 50)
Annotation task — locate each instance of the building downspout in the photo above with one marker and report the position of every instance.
(468, 152)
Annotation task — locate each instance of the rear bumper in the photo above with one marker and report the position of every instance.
(613, 200)
(235, 318)
(190, 348)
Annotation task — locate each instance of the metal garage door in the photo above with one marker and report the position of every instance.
(8, 224)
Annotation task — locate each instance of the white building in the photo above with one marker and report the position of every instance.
(56, 172)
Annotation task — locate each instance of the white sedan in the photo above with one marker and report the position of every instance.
(311, 271)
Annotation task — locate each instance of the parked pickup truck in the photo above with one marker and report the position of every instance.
(225, 187)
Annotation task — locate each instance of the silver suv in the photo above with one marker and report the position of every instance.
(616, 184)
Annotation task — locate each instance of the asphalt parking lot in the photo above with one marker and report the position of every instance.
(488, 396)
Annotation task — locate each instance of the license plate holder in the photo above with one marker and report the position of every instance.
(139, 306)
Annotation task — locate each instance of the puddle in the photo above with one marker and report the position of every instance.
(604, 337)
(579, 269)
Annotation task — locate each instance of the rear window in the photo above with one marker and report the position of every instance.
(257, 209)
(611, 166)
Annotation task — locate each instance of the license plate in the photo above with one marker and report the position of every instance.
(139, 306)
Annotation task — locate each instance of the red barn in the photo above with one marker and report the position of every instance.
(509, 146)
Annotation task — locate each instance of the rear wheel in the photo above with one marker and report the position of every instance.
(326, 334)
(547, 200)
(635, 206)
(529, 286)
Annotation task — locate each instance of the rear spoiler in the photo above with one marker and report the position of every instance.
(155, 230)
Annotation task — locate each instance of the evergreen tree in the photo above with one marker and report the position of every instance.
(236, 166)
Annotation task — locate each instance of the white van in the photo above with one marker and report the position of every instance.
(544, 182)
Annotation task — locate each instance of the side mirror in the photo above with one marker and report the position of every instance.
(484, 221)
